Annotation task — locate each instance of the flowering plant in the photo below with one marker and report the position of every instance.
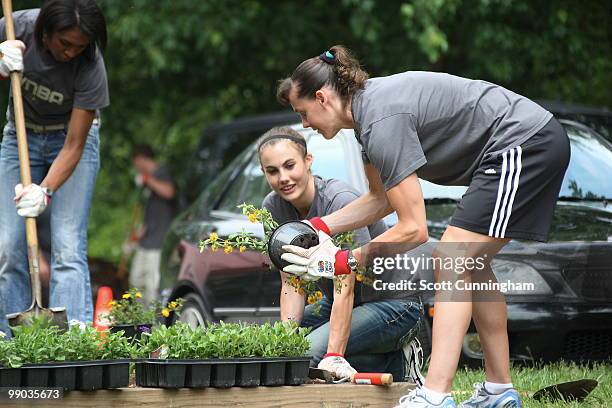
(244, 240)
(130, 309)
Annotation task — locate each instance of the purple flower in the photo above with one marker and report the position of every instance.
(144, 329)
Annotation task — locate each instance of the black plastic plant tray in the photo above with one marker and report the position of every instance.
(273, 371)
(223, 373)
(70, 375)
(64, 377)
(296, 371)
(36, 375)
(10, 377)
(248, 372)
(198, 374)
(161, 373)
(116, 374)
(185, 373)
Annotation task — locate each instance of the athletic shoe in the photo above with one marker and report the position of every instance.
(483, 399)
(413, 362)
(418, 399)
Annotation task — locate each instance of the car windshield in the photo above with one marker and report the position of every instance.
(588, 174)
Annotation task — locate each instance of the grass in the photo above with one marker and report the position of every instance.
(527, 380)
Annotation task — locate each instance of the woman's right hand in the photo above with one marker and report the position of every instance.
(12, 57)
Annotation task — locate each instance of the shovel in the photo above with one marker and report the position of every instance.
(568, 391)
(56, 315)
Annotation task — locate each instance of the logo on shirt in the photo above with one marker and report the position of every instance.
(490, 171)
(41, 91)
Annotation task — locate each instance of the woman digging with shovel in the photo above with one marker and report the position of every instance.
(58, 49)
(452, 131)
(374, 330)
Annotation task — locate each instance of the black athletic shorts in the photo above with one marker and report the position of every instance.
(513, 193)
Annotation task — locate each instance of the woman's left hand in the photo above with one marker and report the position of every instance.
(31, 201)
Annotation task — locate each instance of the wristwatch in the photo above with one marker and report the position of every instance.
(48, 192)
(352, 262)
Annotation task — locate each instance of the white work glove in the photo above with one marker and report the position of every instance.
(12, 57)
(141, 179)
(31, 201)
(337, 366)
(129, 247)
(325, 260)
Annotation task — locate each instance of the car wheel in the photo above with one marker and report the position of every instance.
(194, 312)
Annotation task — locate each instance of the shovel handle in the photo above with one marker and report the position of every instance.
(24, 158)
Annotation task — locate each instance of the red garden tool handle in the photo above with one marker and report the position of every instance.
(373, 378)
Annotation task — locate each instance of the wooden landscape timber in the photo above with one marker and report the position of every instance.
(305, 396)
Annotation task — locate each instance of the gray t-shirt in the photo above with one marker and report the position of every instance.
(439, 125)
(330, 196)
(158, 215)
(51, 89)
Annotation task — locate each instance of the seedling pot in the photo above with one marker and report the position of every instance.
(248, 372)
(296, 371)
(290, 233)
(223, 374)
(273, 372)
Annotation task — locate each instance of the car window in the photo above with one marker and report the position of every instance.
(590, 167)
(249, 187)
(211, 194)
(329, 158)
(338, 158)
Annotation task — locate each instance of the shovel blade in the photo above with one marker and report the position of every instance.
(56, 316)
(319, 374)
(569, 391)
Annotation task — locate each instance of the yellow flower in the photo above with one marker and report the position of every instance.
(253, 217)
(311, 300)
(213, 237)
(228, 249)
(359, 277)
(126, 296)
(173, 305)
(243, 248)
(112, 303)
(165, 312)
(138, 295)
(318, 294)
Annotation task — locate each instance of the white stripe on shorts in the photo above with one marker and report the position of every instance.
(508, 185)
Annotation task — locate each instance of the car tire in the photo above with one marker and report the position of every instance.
(194, 312)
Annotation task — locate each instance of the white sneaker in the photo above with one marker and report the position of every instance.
(418, 399)
(483, 399)
(413, 362)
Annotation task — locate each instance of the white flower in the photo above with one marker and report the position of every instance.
(75, 322)
(2, 334)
